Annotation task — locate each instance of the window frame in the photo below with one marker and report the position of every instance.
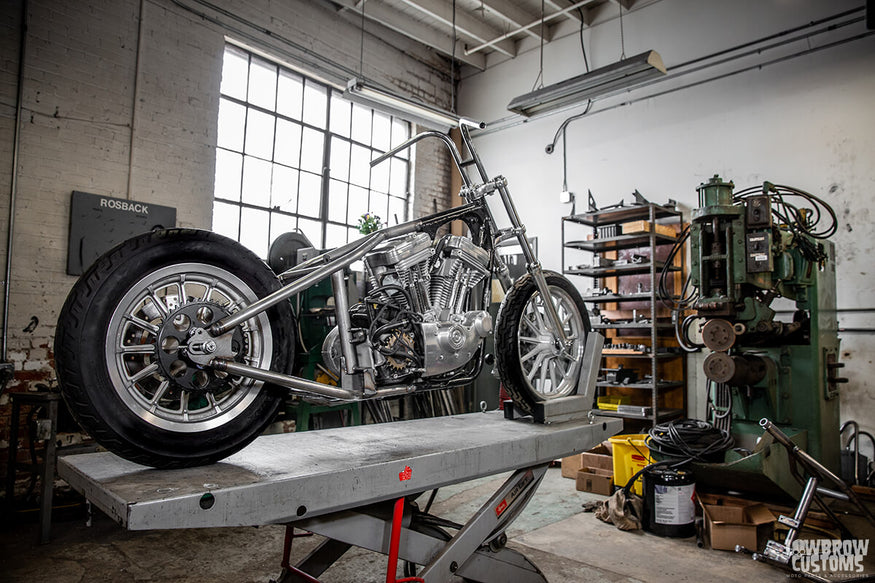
(329, 136)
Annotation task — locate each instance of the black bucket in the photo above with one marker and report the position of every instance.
(669, 502)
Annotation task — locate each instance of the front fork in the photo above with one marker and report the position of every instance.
(533, 266)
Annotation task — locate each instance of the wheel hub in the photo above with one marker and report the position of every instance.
(185, 347)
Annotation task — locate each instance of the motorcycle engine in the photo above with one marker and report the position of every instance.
(416, 310)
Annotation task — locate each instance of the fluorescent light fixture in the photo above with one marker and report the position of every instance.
(365, 93)
(597, 84)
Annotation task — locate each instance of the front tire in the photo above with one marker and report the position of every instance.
(534, 367)
(130, 348)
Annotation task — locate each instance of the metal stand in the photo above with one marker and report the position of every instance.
(475, 553)
(46, 468)
(342, 483)
(781, 554)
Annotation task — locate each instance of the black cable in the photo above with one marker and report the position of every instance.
(686, 298)
(688, 440)
(582, 47)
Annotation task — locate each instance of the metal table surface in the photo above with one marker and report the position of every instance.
(288, 477)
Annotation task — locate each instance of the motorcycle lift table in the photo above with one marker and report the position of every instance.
(355, 486)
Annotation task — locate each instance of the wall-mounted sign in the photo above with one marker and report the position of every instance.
(98, 223)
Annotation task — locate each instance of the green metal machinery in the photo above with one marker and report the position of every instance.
(747, 249)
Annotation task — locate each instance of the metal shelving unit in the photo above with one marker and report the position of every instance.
(657, 327)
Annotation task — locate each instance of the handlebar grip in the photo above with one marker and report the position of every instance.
(479, 125)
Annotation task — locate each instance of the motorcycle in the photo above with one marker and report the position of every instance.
(176, 347)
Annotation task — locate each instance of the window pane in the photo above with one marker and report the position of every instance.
(358, 204)
(279, 224)
(361, 123)
(226, 219)
(340, 115)
(337, 201)
(315, 104)
(271, 157)
(400, 132)
(379, 205)
(382, 131)
(254, 229)
(290, 95)
(312, 147)
(313, 230)
(359, 166)
(284, 189)
(288, 143)
(256, 181)
(335, 236)
(229, 170)
(339, 165)
(259, 134)
(380, 177)
(234, 67)
(397, 208)
(232, 120)
(398, 179)
(310, 194)
(262, 84)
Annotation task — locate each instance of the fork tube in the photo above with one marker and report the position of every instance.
(344, 324)
(532, 264)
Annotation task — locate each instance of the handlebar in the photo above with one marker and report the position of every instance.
(448, 142)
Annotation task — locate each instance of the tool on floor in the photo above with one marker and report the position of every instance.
(345, 484)
(781, 554)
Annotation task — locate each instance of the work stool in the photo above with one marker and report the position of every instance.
(46, 467)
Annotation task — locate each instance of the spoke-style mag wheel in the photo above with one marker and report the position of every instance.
(534, 364)
(133, 349)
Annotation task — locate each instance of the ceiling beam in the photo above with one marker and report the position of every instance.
(466, 24)
(511, 14)
(561, 5)
(534, 24)
(394, 20)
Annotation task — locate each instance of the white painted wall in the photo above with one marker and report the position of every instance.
(807, 122)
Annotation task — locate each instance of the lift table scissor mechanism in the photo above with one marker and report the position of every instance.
(355, 486)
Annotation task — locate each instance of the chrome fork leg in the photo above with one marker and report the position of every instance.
(532, 264)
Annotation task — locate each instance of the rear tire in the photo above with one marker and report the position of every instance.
(532, 365)
(129, 348)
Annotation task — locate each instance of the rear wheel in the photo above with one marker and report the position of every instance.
(133, 348)
(533, 363)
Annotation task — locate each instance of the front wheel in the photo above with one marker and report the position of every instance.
(133, 351)
(533, 363)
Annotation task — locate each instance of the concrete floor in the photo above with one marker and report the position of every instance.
(566, 544)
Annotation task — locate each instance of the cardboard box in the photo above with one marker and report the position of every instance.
(641, 227)
(728, 526)
(594, 458)
(598, 458)
(595, 480)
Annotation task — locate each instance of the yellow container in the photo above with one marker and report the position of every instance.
(609, 403)
(630, 455)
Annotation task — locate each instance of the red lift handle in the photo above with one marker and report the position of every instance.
(394, 543)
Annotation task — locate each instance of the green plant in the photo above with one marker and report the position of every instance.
(368, 223)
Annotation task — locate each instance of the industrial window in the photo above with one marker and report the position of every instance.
(293, 153)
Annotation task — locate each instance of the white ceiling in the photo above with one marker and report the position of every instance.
(482, 27)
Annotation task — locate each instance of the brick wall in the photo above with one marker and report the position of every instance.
(106, 114)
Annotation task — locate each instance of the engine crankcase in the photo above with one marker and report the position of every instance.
(451, 343)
